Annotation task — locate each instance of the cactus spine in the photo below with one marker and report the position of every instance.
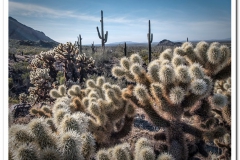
(79, 43)
(101, 36)
(150, 39)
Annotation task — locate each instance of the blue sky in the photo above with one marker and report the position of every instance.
(126, 20)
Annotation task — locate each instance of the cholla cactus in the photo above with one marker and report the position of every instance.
(46, 66)
(111, 116)
(62, 137)
(143, 150)
(177, 86)
(223, 116)
(42, 85)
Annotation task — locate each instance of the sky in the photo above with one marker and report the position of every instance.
(125, 20)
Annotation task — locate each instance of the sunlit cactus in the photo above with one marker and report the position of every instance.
(177, 86)
(136, 58)
(177, 95)
(214, 55)
(167, 74)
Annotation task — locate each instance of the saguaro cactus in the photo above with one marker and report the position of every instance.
(150, 38)
(79, 43)
(103, 38)
(93, 47)
(125, 49)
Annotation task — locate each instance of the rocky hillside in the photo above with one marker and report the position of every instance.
(20, 31)
(166, 42)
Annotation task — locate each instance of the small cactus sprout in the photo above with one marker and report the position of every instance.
(140, 92)
(166, 55)
(153, 69)
(179, 51)
(218, 100)
(182, 74)
(91, 84)
(214, 54)
(62, 90)
(75, 90)
(167, 74)
(165, 156)
(177, 95)
(136, 69)
(55, 94)
(198, 86)
(94, 109)
(100, 81)
(187, 47)
(196, 71)
(201, 50)
(177, 61)
(125, 63)
(136, 58)
(118, 72)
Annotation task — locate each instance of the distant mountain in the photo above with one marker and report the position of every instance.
(166, 42)
(20, 31)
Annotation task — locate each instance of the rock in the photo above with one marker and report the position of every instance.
(20, 110)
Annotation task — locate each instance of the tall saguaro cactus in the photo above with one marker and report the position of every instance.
(93, 47)
(101, 36)
(150, 39)
(125, 49)
(79, 43)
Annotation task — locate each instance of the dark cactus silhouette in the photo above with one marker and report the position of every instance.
(93, 47)
(125, 49)
(79, 44)
(101, 36)
(150, 39)
(187, 39)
